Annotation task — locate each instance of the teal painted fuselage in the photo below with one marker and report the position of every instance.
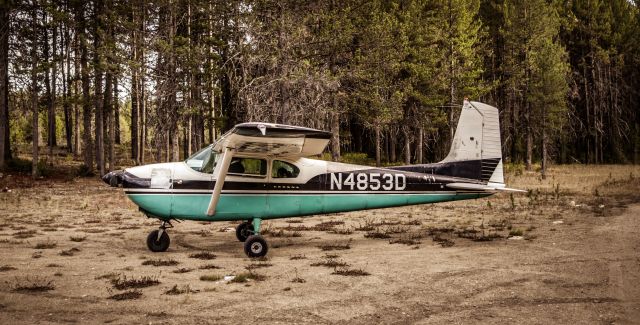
(273, 206)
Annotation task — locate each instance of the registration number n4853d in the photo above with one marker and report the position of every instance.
(368, 181)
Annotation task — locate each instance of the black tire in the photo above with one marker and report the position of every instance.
(156, 245)
(255, 246)
(244, 230)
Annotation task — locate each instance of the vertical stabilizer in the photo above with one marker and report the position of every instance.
(477, 138)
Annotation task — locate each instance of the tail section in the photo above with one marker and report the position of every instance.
(476, 150)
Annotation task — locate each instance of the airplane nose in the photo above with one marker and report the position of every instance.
(113, 178)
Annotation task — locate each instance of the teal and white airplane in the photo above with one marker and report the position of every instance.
(259, 171)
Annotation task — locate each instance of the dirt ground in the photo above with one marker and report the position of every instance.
(73, 251)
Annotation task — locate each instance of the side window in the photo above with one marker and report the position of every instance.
(248, 166)
(281, 169)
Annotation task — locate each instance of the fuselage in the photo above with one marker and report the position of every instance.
(269, 188)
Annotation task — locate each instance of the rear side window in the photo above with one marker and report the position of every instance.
(283, 169)
(248, 166)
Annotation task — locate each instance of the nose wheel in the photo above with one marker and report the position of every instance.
(158, 240)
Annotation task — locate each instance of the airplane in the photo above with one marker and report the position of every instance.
(260, 171)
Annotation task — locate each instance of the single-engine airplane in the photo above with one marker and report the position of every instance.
(259, 171)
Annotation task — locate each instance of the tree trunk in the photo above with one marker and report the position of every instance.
(116, 111)
(529, 139)
(543, 169)
(34, 97)
(377, 127)
(4, 80)
(392, 145)
(87, 142)
(66, 85)
(407, 145)
(335, 134)
(108, 114)
(97, 88)
(419, 145)
(135, 146)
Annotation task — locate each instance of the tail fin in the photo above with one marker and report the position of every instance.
(477, 141)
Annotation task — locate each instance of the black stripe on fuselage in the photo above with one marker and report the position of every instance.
(480, 169)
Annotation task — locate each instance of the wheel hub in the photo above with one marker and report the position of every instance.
(256, 248)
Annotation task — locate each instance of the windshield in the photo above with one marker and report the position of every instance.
(203, 161)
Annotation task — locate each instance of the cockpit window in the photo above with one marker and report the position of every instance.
(203, 161)
(281, 169)
(248, 166)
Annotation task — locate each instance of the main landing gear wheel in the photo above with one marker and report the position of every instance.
(244, 230)
(255, 246)
(158, 242)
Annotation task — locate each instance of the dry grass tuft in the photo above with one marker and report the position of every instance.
(246, 276)
(332, 263)
(123, 283)
(203, 256)
(178, 291)
(211, 277)
(283, 233)
(69, 252)
(127, 295)
(335, 247)
(77, 239)
(45, 245)
(182, 270)
(24, 234)
(209, 267)
(161, 262)
(350, 272)
(254, 266)
(33, 285)
(297, 257)
(5, 268)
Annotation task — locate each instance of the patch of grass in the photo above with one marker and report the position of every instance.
(5, 268)
(53, 265)
(327, 225)
(77, 239)
(178, 291)
(342, 231)
(350, 272)
(37, 254)
(127, 295)
(33, 285)
(209, 267)
(161, 262)
(182, 270)
(211, 277)
(45, 245)
(123, 283)
(58, 274)
(203, 255)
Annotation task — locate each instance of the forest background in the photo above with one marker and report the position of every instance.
(157, 80)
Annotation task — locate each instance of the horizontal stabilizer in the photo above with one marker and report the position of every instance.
(481, 187)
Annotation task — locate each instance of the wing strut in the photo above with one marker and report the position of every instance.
(222, 174)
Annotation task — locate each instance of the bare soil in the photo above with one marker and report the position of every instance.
(73, 251)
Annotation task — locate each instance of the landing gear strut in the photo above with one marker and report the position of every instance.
(158, 240)
(255, 245)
